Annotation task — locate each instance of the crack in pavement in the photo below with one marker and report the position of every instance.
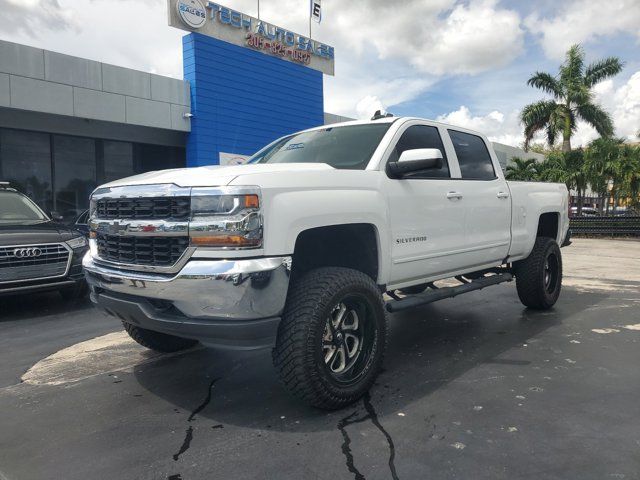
(188, 437)
(186, 443)
(374, 419)
(346, 444)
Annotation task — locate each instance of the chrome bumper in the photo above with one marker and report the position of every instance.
(239, 289)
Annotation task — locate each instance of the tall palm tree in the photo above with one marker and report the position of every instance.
(572, 99)
(520, 169)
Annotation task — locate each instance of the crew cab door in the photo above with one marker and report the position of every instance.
(486, 199)
(427, 225)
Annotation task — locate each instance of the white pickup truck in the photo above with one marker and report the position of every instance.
(297, 249)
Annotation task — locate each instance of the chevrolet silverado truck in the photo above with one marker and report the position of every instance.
(308, 246)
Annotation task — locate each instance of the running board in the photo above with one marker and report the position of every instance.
(446, 292)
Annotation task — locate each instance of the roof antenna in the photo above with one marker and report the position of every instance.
(379, 114)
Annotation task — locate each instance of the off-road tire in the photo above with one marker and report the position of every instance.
(74, 292)
(533, 291)
(298, 354)
(414, 289)
(159, 342)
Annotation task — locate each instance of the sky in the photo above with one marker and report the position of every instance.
(461, 62)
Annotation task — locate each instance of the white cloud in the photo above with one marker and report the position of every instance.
(30, 16)
(582, 21)
(622, 103)
(368, 106)
(361, 93)
(132, 34)
(473, 39)
(627, 112)
(436, 37)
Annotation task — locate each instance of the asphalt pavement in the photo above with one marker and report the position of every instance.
(474, 387)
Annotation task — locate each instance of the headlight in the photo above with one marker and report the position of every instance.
(227, 217)
(77, 242)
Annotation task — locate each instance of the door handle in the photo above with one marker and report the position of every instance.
(503, 195)
(451, 195)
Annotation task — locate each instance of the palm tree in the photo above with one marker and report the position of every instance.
(541, 169)
(572, 99)
(520, 169)
(602, 165)
(568, 168)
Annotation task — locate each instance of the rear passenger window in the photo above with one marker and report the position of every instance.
(422, 136)
(473, 156)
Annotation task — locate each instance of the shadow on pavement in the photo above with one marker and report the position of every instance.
(28, 306)
(428, 348)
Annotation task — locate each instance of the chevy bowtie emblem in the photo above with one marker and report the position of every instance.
(27, 252)
(116, 229)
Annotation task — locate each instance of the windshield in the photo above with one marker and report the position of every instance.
(17, 209)
(347, 147)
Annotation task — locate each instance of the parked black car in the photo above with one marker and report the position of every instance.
(37, 253)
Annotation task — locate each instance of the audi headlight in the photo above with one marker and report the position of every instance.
(226, 217)
(77, 242)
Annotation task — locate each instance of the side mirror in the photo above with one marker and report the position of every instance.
(55, 216)
(415, 160)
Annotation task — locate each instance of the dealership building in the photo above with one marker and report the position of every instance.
(68, 124)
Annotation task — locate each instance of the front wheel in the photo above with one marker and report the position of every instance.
(332, 337)
(539, 276)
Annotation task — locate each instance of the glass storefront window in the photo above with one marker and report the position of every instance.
(59, 172)
(74, 173)
(158, 157)
(25, 161)
(118, 160)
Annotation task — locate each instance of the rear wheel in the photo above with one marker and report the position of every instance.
(160, 342)
(539, 276)
(332, 337)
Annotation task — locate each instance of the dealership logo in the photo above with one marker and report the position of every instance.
(27, 252)
(192, 12)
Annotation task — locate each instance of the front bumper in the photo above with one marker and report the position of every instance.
(234, 303)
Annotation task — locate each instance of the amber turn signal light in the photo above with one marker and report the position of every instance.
(225, 241)
(251, 201)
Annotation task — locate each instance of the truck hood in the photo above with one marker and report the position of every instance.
(215, 175)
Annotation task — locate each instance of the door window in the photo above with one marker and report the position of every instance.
(473, 156)
(422, 136)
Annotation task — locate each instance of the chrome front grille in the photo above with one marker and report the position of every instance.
(33, 262)
(146, 208)
(143, 250)
(141, 227)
